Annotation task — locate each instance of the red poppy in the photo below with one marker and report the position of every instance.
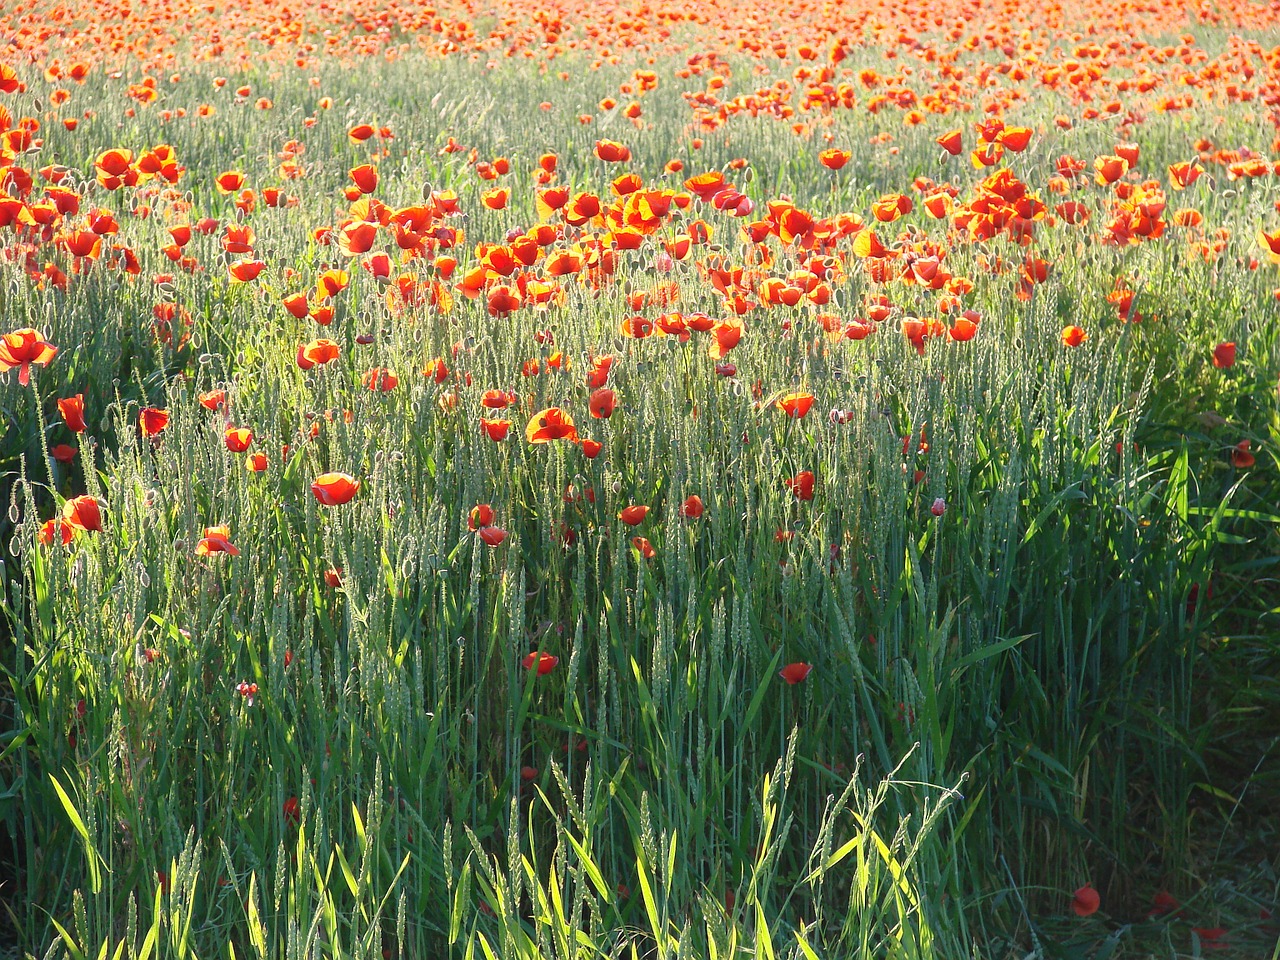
(692, 507)
(1224, 356)
(333, 577)
(633, 515)
(481, 516)
(1085, 901)
(153, 421)
(56, 528)
(612, 152)
(1241, 458)
(238, 439)
(380, 380)
(333, 489)
(72, 410)
(216, 540)
(63, 452)
(602, 403)
(643, 545)
(550, 424)
(213, 400)
(952, 141)
(83, 513)
(292, 809)
(801, 485)
(317, 352)
(495, 430)
(21, 349)
(1073, 336)
(591, 448)
(544, 662)
(795, 673)
(834, 159)
(493, 536)
(256, 462)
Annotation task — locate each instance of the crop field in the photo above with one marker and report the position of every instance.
(639, 480)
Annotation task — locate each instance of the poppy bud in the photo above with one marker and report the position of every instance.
(939, 507)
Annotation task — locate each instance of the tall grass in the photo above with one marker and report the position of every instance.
(1007, 699)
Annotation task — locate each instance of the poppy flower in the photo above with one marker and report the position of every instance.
(63, 452)
(1162, 904)
(238, 439)
(602, 403)
(550, 424)
(834, 159)
(296, 304)
(939, 507)
(292, 810)
(21, 349)
(56, 528)
(543, 662)
(591, 448)
(952, 141)
(495, 430)
(611, 151)
(333, 578)
(229, 182)
(692, 507)
(380, 380)
(795, 673)
(1241, 458)
(645, 548)
(481, 516)
(796, 405)
(72, 410)
(213, 400)
(1224, 356)
(801, 485)
(216, 540)
(493, 536)
(365, 177)
(633, 515)
(317, 352)
(528, 774)
(256, 462)
(333, 489)
(83, 513)
(1085, 901)
(1073, 336)
(153, 421)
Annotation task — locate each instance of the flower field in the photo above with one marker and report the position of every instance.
(637, 480)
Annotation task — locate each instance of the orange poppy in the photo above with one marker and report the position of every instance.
(952, 141)
(801, 485)
(1073, 336)
(834, 159)
(692, 507)
(544, 663)
(550, 424)
(334, 489)
(21, 349)
(213, 399)
(645, 548)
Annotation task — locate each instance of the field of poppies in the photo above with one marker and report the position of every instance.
(639, 480)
